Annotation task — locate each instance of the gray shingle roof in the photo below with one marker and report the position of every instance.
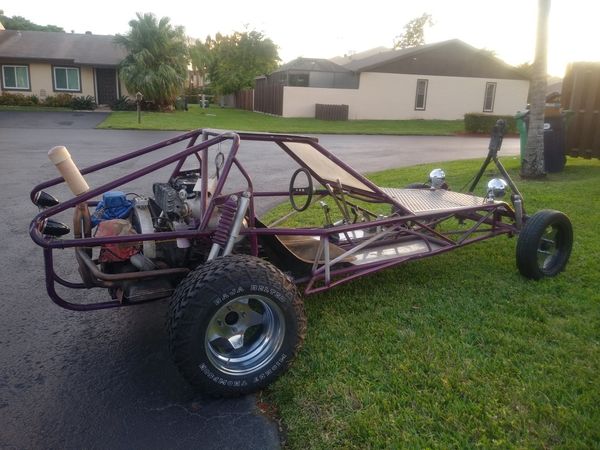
(84, 49)
(312, 65)
(447, 58)
(369, 62)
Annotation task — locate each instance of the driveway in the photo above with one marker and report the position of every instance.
(105, 379)
(47, 120)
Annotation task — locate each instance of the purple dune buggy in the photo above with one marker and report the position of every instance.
(236, 319)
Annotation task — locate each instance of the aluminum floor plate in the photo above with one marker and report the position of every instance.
(431, 200)
(385, 252)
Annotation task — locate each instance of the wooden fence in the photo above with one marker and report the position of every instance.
(268, 96)
(581, 95)
(245, 99)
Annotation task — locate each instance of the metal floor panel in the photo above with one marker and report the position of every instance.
(387, 251)
(431, 200)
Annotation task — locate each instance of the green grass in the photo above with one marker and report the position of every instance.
(33, 108)
(235, 119)
(457, 351)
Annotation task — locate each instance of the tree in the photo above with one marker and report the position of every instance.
(414, 32)
(21, 23)
(526, 69)
(532, 165)
(234, 61)
(156, 64)
(201, 56)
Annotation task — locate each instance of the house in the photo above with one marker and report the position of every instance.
(313, 72)
(345, 59)
(48, 63)
(444, 80)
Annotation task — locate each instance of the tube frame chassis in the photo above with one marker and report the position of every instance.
(486, 220)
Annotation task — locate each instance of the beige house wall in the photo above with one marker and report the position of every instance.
(41, 79)
(383, 96)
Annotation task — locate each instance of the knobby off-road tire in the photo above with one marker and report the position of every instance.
(544, 244)
(235, 325)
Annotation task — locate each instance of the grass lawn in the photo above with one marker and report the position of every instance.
(457, 351)
(236, 119)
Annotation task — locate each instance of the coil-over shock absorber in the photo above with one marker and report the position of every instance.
(229, 225)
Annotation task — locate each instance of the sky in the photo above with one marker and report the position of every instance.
(324, 29)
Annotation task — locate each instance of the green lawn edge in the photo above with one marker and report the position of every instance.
(235, 119)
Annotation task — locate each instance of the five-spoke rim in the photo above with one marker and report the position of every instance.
(245, 334)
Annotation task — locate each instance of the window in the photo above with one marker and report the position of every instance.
(490, 94)
(15, 77)
(421, 97)
(66, 79)
(299, 79)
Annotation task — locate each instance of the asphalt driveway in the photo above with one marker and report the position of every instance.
(37, 120)
(105, 379)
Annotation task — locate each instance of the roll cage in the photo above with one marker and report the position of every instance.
(317, 258)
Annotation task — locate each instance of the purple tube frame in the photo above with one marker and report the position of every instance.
(492, 213)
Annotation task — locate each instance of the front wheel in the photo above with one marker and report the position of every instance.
(544, 244)
(235, 325)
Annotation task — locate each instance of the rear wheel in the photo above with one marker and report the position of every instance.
(544, 244)
(235, 325)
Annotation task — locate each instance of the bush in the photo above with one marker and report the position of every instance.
(60, 100)
(123, 103)
(9, 99)
(88, 103)
(484, 123)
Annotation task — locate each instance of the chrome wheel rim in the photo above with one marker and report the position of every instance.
(548, 248)
(244, 334)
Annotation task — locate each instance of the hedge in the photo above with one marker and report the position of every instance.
(59, 100)
(484, 123)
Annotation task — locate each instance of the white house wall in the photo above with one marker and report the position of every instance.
(300, 101)
(384, 96)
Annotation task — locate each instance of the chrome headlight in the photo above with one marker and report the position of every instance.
(496, 187)
(437, 178)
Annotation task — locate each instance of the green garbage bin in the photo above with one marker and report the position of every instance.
(554, 137)
(522, 129)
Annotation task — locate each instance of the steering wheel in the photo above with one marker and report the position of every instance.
(308, 191)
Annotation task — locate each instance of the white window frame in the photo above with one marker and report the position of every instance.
(56, 88)
(494, 85)
(16, 88)
(423, 107)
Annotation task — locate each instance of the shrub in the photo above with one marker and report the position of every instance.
(9, 99)
(484, 123)
(88, 103)
(123, 103)
(60, 100)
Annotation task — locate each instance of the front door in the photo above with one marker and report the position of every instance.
(106, 81)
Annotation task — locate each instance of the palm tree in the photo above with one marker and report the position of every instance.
(533, 160)
(156, 64)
